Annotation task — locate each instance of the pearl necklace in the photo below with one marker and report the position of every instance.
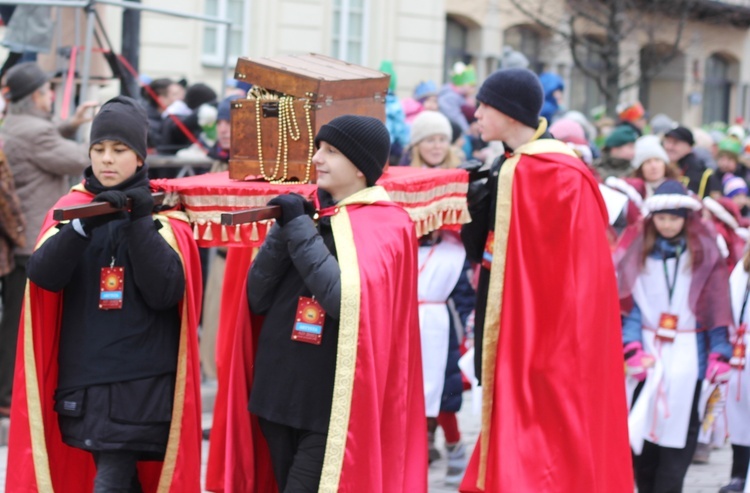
(288, 128)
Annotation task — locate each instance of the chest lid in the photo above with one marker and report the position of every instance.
(313, 76)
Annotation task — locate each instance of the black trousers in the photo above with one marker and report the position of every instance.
(297, 456)
(116, 472)
(740, 461)
(663, 469)
(13, 287)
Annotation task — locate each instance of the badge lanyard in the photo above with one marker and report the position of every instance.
(671, 286)
(668, 322)
(111, 280)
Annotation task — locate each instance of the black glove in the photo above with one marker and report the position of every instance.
(115, 198)
(478, 188)
(143, 202)
(471, 166)
(478, 192)
(292, 205)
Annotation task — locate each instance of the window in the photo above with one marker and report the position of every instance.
(456, 42)
(526, 40)
(349, 37)
(214, 35)
(717, 89)
(584, 93)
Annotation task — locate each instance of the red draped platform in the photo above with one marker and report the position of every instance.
(238, 460)
(433, 199)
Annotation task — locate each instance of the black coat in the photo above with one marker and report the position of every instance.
(293, 382)
(117, 367)
(695, 173)
(474, 237)
(105, 346)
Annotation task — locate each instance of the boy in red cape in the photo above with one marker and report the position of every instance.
(554, 417)
(337, 381)
(108, 389)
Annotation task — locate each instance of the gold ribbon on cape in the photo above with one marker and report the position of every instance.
(346, 352)
(503, 210)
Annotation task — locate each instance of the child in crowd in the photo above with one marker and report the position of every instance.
(738, 399)
(673, 284)
(430, 143)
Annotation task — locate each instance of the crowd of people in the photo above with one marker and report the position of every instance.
(644, 217)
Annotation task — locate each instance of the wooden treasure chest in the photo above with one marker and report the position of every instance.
(273, 130)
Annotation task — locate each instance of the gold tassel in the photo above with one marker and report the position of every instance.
(237, 236)
(208, 235)
(254, 233)
(196, 235)
(465, 216)
(224, 234)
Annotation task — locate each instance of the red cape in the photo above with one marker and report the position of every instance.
(38, 460)
(554, 410)
(377, 440)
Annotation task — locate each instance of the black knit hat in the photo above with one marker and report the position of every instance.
(121, 119)
(364, 140)
(681, 133)
(23, 79)
(515, 92)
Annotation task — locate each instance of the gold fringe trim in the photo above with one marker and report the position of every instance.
(208, 235)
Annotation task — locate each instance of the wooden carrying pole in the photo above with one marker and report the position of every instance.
(250, 215)
(96, 209)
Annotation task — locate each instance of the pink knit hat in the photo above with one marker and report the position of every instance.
(568, 131)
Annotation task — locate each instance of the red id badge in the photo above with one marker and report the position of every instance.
(667, 329)
(739, 350)
(110, 288)
(488, 251)
(308, 324)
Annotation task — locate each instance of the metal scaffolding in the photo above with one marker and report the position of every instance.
(90, 6)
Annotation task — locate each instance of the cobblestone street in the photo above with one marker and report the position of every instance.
(706, 478)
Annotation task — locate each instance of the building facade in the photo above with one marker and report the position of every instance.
(707, 79)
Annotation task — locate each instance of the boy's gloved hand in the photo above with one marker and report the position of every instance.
(292, 205)
(718, 368)
(478, 189)
(637, 361)
(143, 202)
(115, 198)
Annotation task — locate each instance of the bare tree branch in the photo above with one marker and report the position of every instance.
(615, 21)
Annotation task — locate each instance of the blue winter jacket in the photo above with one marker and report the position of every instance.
(551, 83)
